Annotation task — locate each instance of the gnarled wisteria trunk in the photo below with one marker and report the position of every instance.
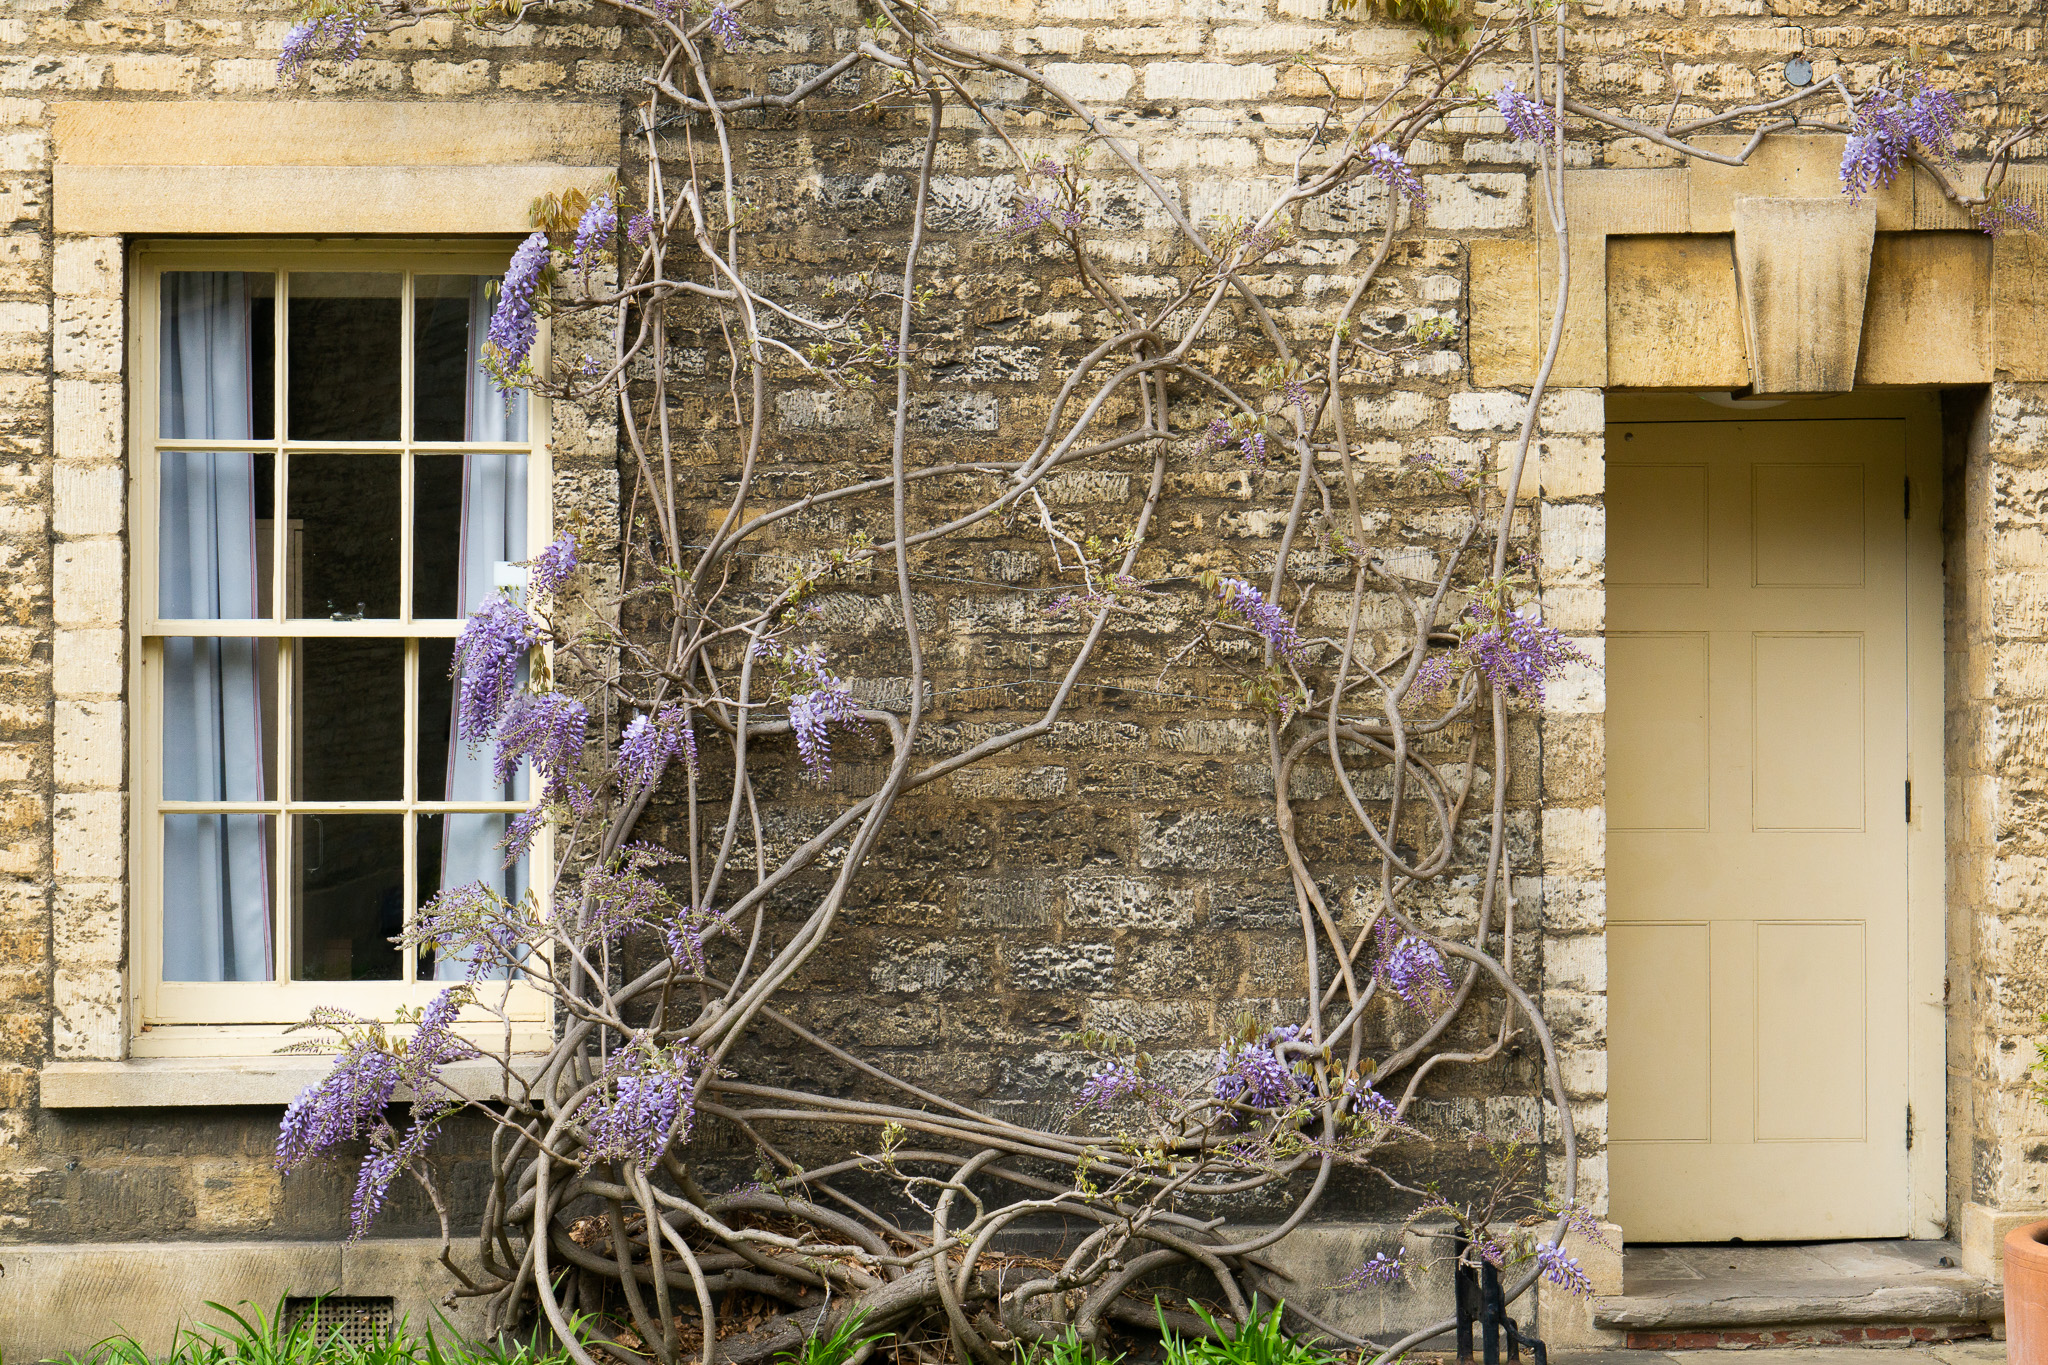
(670, 689)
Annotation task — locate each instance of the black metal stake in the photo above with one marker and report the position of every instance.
(1480, 1298)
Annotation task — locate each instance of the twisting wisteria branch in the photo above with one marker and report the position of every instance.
(663, 668)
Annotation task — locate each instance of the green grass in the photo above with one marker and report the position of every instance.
(258, 1338)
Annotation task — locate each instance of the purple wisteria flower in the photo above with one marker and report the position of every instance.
(434, 1042)
(513, 325)
(551, 729)
(647, 1098)
(1412, 969)
(521, 832)
(1889, 120)
(1250, 605)
(341, 31)
(685, 936)
(1517, 651)
(813, 710)
(1528, 118)
(725, 22)
(594, 231)
(1106, 1087)
(620, 897)
(1432, 463)
(640, 227)
(488, 656)
(1364, 1102)
(810, 716)
(1387, 166)
(550, 569)
(1255, 1074)
(1578, 1218)
(471, 924)
(341, 1106)
(2009, 215)
(1563, 1270)
(1378, 1273)
(650, 743)
(1035, 212)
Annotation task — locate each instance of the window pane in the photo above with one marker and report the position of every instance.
(216, 354)
(351, 897)
(455, 851)
(351, 742)
(469, 530)
(219, 719)
(214, 513)
(342, 338)
(451, 769)
(345, 515)
(437, 536)
(219, 883)
(454, 398)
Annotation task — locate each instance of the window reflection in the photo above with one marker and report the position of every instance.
(342, 371)
(351, 720)
(454, 398)
(344, 509)
(350, 900)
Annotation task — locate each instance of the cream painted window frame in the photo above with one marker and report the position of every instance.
(228, 1019)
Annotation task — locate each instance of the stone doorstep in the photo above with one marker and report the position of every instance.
(1909, 1294)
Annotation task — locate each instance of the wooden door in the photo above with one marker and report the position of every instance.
(1757, 820)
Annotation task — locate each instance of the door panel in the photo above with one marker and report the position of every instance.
(1757, 829)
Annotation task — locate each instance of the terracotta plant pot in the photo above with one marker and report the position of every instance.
(2026, 1294)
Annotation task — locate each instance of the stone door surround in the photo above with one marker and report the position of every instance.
(1703, 276)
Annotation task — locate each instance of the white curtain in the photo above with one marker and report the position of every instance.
(216, 867)
(493, 538)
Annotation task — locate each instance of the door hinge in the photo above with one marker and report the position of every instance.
(1909, 500)
(1909, 800)
(1909, 1127)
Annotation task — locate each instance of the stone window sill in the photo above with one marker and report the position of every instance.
(193, 1083)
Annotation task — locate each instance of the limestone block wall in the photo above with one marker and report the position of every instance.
(1998, 865)
(1120, 873)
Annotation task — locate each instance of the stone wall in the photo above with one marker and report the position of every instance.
(1997, 986)
(1120, 873)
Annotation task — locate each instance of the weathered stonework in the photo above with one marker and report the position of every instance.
(1120, 873)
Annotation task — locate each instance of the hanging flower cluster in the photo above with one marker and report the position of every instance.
(551, 568)
(488, 656)
(594, 231)
(349, 1102)
(646, 1099)
(650, 743)
(1411, 968)
(1528, 118)
(1889, 120)
(339, 31)
(1563, 1270)
(514, 324)
(1255, 1074)
(725, 22)
(549, 728)
(341, 1106)
(1249, 605)
(817, 701)
(1113, 1083)
(1381, 1272)
(1391, 169)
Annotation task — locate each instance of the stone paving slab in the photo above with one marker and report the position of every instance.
(1947, 1353)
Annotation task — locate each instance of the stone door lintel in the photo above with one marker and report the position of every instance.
(1657, 299)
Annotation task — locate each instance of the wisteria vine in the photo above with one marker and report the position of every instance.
(661, 668)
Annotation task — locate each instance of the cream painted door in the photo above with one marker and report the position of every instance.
(1756, 806)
